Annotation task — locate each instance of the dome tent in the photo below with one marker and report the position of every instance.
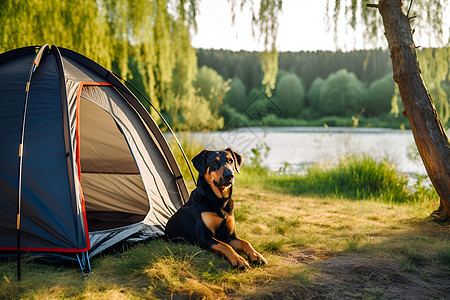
(82, 164)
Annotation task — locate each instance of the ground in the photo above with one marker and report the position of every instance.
(354, 276)
(316, 248)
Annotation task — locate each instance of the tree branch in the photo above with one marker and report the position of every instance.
(409, 8)
(372, 5)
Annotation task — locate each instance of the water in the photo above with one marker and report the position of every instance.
(301, 147)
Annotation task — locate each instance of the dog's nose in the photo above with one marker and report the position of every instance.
(227, 174)
(228, 177)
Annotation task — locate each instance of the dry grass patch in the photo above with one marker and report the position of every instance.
(294, 233)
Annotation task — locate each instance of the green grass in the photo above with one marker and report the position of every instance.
(354, 177)
(283, 216)
(280, 226)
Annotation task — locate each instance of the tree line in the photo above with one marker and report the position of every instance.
(313, 88)
(148, 42)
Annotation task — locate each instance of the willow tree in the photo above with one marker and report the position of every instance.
(429, 134)
(76, 24)
(265, 26)
(152, 35)
(395, 24)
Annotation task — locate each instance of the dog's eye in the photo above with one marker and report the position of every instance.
(230, 160)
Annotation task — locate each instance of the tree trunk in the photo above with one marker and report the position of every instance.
(429, 135)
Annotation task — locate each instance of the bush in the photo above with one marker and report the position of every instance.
(232, 118)
(290, 95)
(211, 86)
(235, 97)
(379, 96)
(314, 91)
(340, 95)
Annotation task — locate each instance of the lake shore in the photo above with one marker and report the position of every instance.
(298, 148)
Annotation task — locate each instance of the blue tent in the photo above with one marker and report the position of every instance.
(82, 164)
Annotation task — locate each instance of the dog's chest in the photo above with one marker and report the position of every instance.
(215, 223)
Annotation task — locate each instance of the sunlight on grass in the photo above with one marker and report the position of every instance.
(291, 231)
(354, 177)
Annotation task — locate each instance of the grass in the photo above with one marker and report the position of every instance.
(284, 217)
(354, 177)
(276, 224)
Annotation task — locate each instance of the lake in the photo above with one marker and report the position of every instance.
(301, 147)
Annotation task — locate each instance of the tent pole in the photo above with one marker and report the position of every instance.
(19, 194)
(33, 68)
(163, 119)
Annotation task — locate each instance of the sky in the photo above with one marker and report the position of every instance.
(302, 27)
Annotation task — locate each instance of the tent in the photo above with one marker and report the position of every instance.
(83, 166)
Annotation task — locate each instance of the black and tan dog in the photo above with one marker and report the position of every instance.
(207, 219)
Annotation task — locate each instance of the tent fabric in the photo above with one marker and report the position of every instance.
(97, 171)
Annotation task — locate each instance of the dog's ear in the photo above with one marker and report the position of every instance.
(199, 162)
(237, 159)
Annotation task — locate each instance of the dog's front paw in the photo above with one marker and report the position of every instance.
(240, 263)
(257, 259)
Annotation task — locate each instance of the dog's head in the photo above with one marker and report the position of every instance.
(217, 167)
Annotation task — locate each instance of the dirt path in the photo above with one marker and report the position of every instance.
(355, 276)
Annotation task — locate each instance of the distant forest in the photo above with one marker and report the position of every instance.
(316, 88)
(366, 65)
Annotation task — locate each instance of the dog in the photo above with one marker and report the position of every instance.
(207, 219)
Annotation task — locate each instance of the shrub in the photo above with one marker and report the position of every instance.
(211, 86)
(379, 96)
(235, 97)
(340, 94)
(290, 95)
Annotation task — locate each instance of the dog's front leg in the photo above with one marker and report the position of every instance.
(236, 260)
(243, 245)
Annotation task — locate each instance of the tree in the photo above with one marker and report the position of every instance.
(290, 95)
(152, 36)
(314, 91)
(236, 95)
(429, 134)
(379, 96)
(340, 94)
(211, 86)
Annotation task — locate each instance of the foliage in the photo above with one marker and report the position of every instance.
(354, 177)
(290, 95)
(211, 86)
(367, 65)
(196, 115)
(372, 66)
(236, 94)
(314, 91)
(269, 66)
(259, 153)
(265, 25)
(435, 66)
(78, 24)
(340, 94)
(146, 41)
(379, 96)
(426, 18)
